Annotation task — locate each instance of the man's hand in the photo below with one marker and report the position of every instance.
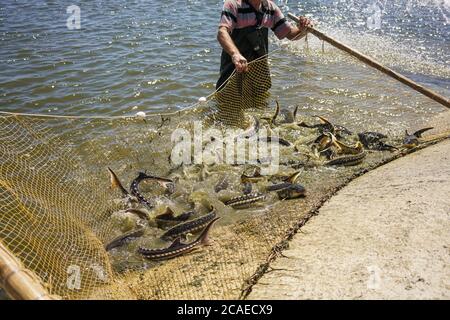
(299, 31)
(240, 62)
(304, 23)
(228, 45)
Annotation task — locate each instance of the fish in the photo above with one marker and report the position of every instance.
(288, 117)
(120, 240)
(383, 146)
(253, 178)
(251, 130)
(222, 184)
(347, 160)
(191, 226)
(177, 248)
(168, 218)
(369, 137)
(336, 129)
(287, 190)
(245, 200)
(323, 142)
(412, 140)
(373, 141)
(134, 187)
(115, 182)
(346, 149)
(326, 126)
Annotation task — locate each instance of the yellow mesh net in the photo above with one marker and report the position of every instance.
(244, 91)
(57, 210)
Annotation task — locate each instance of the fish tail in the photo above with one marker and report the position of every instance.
(204, 236)
(115, 182)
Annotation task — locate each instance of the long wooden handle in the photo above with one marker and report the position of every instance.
(18, 282)
(371, 62)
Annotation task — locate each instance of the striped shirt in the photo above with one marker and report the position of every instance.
(237, 14)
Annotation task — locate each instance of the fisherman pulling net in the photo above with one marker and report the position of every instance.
(244, 37)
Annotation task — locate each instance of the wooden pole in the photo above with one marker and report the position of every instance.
(19, 283)
(371, 62)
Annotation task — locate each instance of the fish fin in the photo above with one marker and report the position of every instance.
(334, 140)
(176, 243)
(293, 177)
(115, 182)
(203, 237)
(406, 133)
(142, 173)
(184, 216)
(277, 112)
(324, 120)
(419, 133)
(295, 112)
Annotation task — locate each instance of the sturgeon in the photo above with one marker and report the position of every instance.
(120, 240)
(191, 226)
(347, 160)
(288, 116)
(412, 140)
(134, 187)
(287, 190)
(177, 248)
(245, 200)
(346, 149)
(374, 141)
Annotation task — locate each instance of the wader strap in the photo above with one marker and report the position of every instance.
(259, 15)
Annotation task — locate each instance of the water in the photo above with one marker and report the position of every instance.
(153, 55)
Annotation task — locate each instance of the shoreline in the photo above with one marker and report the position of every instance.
(358, 247)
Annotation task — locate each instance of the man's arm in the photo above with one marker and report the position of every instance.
(296, 33)
(228, 45)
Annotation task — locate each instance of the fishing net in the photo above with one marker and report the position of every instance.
(57, 208)
(244, 91)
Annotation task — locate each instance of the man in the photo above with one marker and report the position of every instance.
(243, 33)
